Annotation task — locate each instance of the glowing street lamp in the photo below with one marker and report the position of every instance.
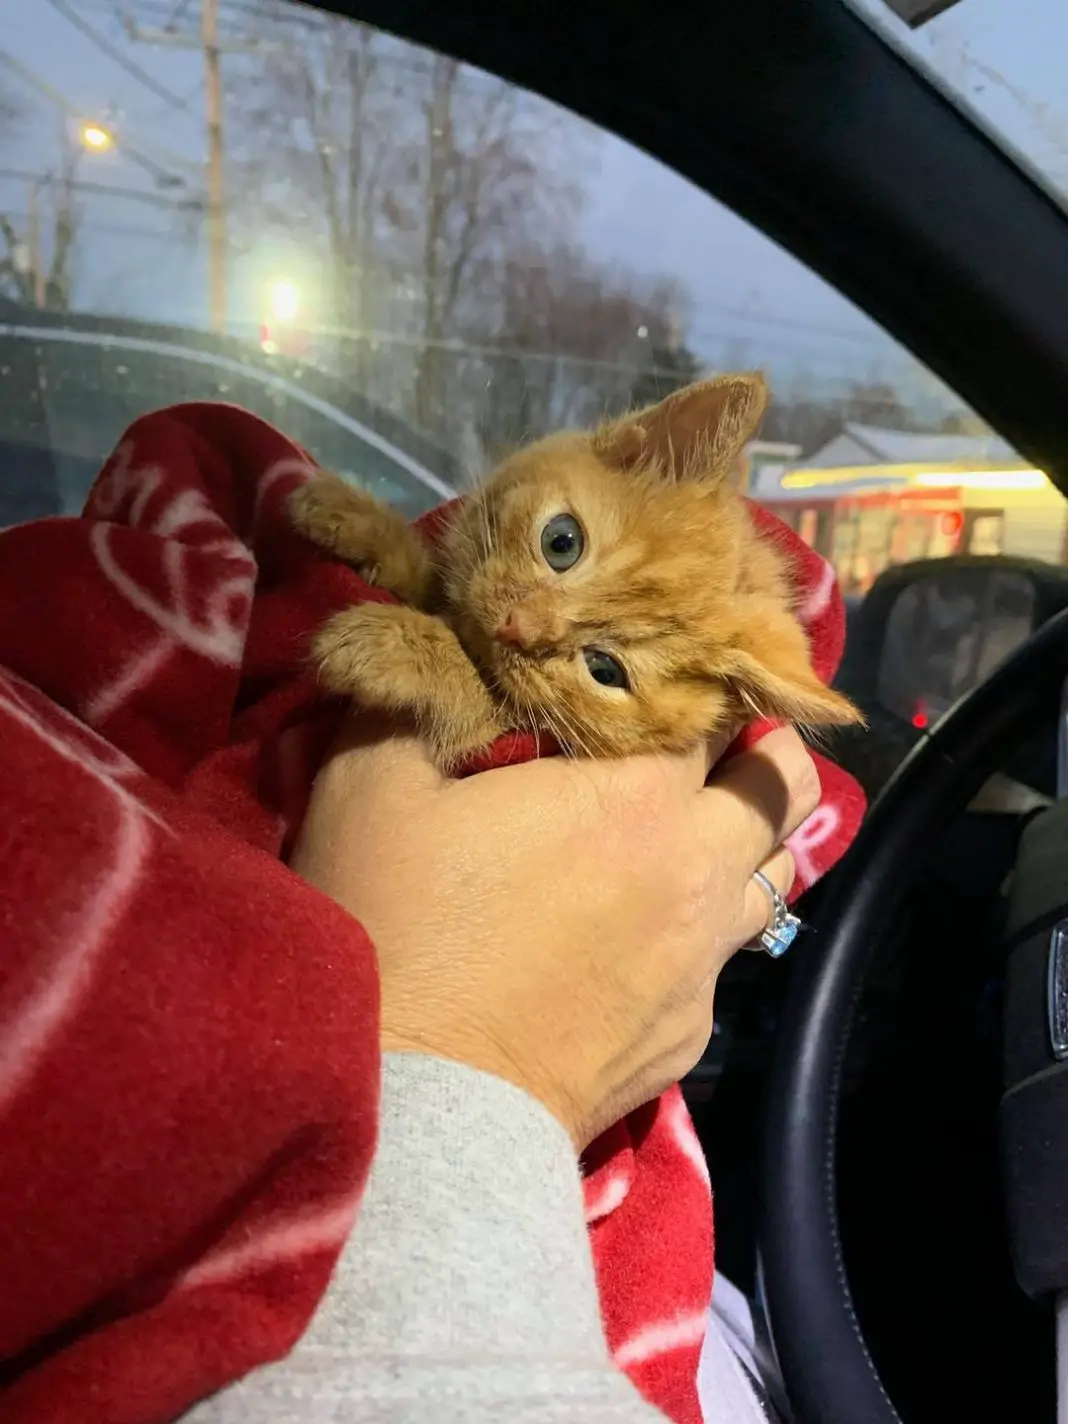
(95, 138)
(285, 319)
(283, 300)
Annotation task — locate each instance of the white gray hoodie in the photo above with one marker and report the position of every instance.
(466, 1294)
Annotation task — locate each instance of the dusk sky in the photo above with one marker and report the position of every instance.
(1007, 56)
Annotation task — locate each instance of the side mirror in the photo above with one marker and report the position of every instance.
(930, 631)
(927, 633)
(946, 632)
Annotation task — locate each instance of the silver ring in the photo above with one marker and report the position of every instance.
(783, 925)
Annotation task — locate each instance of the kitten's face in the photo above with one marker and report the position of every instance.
(622, 610)
(565, 582)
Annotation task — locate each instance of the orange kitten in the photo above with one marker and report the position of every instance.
(607, 587)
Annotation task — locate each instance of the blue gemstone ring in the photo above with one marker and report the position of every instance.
(781, 929)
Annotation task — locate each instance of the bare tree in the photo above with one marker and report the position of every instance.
(805, 420)
(416, 177)
(573, 341)
(876, 403)
(37, 247)
(812, 416)
(10, 111)
(672, 368)
(491, 176)
(310, 125)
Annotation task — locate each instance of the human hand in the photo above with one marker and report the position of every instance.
(561, 923)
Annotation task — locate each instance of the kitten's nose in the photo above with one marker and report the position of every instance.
(531, 624)
(511, 630)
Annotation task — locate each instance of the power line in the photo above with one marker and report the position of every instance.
(763, 319)
(102, 43)
(271, 14)
(298, 16)
(458, 346)
(159, 12)
(105, 190)
(42, 86)
(107, 228)
(112, 229)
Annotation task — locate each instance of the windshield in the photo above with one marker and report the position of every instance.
(409, 265)
(1005, 60)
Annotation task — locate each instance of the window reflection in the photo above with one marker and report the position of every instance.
(946, 633)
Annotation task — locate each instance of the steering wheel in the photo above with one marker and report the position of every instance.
(829, 1374)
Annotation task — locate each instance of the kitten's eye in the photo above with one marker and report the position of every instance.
(562, 542)
(605, 669)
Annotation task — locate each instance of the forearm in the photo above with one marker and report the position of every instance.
(467, 1290)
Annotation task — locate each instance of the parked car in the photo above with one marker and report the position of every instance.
(71, 383)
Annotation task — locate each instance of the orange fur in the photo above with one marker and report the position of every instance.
(673, 583)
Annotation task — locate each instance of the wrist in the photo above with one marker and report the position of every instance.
(481, 1053)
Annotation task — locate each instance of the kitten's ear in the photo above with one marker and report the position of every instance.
(696, 433)
(769, 670)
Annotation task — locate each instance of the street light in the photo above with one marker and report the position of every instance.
(95, 138)
(283, 300)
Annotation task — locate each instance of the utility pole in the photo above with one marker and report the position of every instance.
(34, 244)
(218, 246)
(213, 47)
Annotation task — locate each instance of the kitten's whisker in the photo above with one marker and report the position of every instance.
(532, 725)
(600, 743)
(470, 542)
(490, 538)
(483, 514)
(557, 733)
(568, 733)
(586, 737)
(491, 516)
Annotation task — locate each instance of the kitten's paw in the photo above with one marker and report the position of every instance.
(366, 653)
(358, 529)
(338, 517)
(395, 659)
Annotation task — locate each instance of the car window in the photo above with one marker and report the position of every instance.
(1003, 61)
(377, 238)
(93, 386)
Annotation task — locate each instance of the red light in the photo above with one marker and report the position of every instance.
(952, 523)
(919, 718)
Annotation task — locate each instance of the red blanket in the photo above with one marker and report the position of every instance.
(188, 1034)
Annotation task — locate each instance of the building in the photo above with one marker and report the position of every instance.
(871, 497)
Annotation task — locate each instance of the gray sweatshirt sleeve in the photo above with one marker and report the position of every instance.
(466, 1292)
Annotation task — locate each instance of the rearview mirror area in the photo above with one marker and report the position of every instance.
(946, 633)
(923, 636)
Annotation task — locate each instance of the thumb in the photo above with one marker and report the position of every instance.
(372, 756)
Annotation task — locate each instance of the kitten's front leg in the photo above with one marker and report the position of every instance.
(400, 660)
(358, 528)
